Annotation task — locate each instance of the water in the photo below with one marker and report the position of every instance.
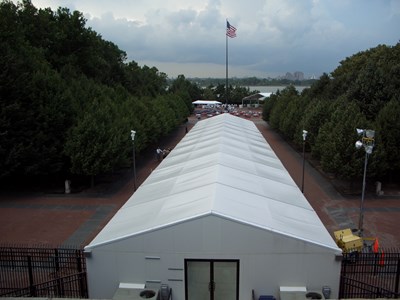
(273, 89)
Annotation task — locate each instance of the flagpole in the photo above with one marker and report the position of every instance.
(226, 79)
(230, 32)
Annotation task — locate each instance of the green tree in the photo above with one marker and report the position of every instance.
(186, 90)
(94, 144)
(269, 105)
(238, 93)
(321, 88)
(316, 113)
(387, 142)
(208, 93)
(370, 78)
(154, 82)
(292, 118)
(35, 111)
(336, 138)
(278, 112)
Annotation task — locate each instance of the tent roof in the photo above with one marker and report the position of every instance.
(258, 96)
(222, 167)
(206, 102)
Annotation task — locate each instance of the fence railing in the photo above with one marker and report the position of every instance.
(42, 272)
(370, 275)
(57, 272)
(72, 286)
(360, 289)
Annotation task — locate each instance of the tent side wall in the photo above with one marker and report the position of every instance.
(268, 259)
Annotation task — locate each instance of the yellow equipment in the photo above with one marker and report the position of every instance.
(347, 241)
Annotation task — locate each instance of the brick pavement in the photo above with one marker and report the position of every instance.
(73, 220)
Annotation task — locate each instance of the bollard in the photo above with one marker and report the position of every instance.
(67, 186)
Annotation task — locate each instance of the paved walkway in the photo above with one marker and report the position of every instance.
(74, 220)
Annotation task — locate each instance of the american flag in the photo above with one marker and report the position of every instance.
(230, 30)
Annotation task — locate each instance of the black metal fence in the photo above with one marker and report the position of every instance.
(42, 272)
(61, 272)
(370, 275)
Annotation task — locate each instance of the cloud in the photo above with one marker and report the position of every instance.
(273, 37)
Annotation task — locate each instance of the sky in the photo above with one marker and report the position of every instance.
(273, 36)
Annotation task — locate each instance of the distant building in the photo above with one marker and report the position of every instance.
(295, 76)
(298, 75)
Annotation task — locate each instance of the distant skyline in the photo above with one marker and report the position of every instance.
(273, 36)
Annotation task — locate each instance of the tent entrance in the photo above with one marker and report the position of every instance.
(211, 279)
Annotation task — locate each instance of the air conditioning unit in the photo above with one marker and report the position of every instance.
(301, 293)
(292, 292)
(135, 291)
(314, 295)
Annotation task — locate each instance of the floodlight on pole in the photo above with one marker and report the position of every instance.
(360, 131)
(305, 132)
(133, 133)
(367, 141)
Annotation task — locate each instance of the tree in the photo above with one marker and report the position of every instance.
(321, 88)
(208, 93)
(94, 144)
(278, 112)
(35, 109)
(292, 118)
(154, 82)
(335, 141)
(316, 113)
(387, 142)
(269, 105)
(238, 93)
(186, 90)
(370, 78)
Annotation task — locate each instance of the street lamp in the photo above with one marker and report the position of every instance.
(133, 132)
(367, 141)
(305, 132)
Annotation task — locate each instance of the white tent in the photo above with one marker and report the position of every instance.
(256, 98)
(206, 102)
(221, 196)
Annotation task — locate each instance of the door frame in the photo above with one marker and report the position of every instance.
(211, 261)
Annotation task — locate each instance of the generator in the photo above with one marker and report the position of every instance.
(347, 241)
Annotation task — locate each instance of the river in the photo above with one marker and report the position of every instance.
(273, 89)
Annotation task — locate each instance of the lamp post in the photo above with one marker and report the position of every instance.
(133, 132)
(367, 141)
(305, 132)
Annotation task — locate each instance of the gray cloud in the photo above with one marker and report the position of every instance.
(273, 37)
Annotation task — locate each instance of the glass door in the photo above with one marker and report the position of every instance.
(225, 280)
(211, 279)
(198, 280)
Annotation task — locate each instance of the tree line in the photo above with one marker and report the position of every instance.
(69, 99)
(362, 92)
(250, 81)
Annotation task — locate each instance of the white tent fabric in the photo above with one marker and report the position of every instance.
(206, 102)
(223, 167)
(258, 96)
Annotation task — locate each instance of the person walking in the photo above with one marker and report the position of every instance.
(159, 154)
